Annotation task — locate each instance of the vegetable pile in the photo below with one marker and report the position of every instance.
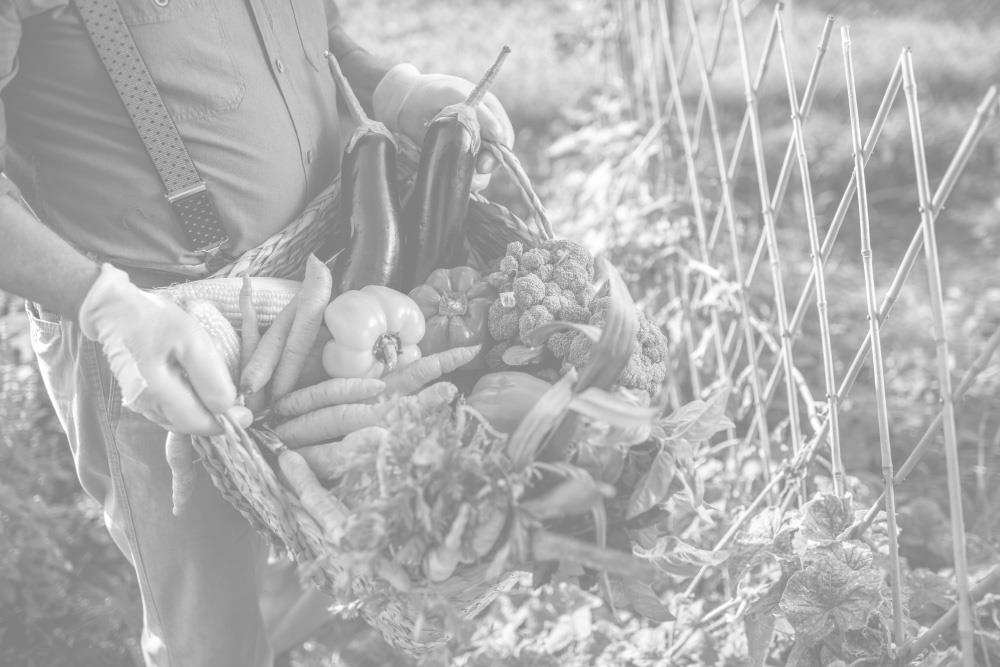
(478, 425)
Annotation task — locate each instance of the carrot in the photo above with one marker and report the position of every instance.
(181, 458)
(334, 391)
(321, 505)
(317, 286)
(427, 369)
(331, 460)
(258, 370)
(249, 327)
(338, 420)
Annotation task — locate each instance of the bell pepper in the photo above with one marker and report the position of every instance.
(373, 330)
(505, 397)
(456, 305)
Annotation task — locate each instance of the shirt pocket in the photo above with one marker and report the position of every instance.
(311, 20)
(188, 54)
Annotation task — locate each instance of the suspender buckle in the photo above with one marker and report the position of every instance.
(174, 197)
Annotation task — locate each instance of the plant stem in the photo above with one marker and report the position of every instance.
(354, 107)
(477, 94)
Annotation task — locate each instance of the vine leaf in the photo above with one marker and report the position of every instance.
(830, 595)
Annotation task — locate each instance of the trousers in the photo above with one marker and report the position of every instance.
(210, 596)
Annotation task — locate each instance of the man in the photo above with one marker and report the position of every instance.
(247, 87)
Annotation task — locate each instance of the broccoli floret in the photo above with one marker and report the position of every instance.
(535, 258)
(533, 317)
(509, 264)
(545, 272)
(551, 289)
(573, 265)
(586, 296)
(502, 321)
(515, 249)
(529, 290)
(559, 343)
(574, 312)
(579, 350)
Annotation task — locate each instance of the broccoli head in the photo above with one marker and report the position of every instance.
(646, 368)
(529, 290)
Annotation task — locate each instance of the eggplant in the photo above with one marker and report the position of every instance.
(369, 201)
(432, 227)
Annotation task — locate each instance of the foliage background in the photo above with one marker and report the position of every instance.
(68, 598)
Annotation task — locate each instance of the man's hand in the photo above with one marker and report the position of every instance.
(406, 101)
(167, 366)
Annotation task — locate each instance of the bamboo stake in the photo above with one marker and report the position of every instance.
(977, 367)
(781, 306)
(692, 172)
(882, 407)
(965, 634)
(985, 113)
(720, 29)
(822, 307)
(764, 442)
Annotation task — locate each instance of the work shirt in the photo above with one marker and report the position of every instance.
(246, 83)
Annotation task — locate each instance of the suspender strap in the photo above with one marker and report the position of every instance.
(186, 191)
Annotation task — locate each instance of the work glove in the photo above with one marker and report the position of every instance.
(166, 365)
(406, 101)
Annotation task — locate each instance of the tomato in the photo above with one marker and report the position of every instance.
(456, 305)
(505, 397)
(374, 329)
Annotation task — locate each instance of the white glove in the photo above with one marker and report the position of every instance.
(406, 100)
(167, 367)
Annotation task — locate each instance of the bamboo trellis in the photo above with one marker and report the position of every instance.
(671, 78)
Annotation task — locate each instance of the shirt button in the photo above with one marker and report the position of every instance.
(278, 65)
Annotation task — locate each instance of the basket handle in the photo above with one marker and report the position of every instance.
(505, 156)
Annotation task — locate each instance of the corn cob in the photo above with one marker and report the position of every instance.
(270, 295)
(226, 340)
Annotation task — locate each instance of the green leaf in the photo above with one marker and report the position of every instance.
(699, 420)
(602, 405)
(678, 558)
(828, 595)
(654, 487)
(643, 601)
(824, 518)
(521, 355)
(542, 332)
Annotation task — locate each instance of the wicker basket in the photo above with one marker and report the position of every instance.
(245, 472)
